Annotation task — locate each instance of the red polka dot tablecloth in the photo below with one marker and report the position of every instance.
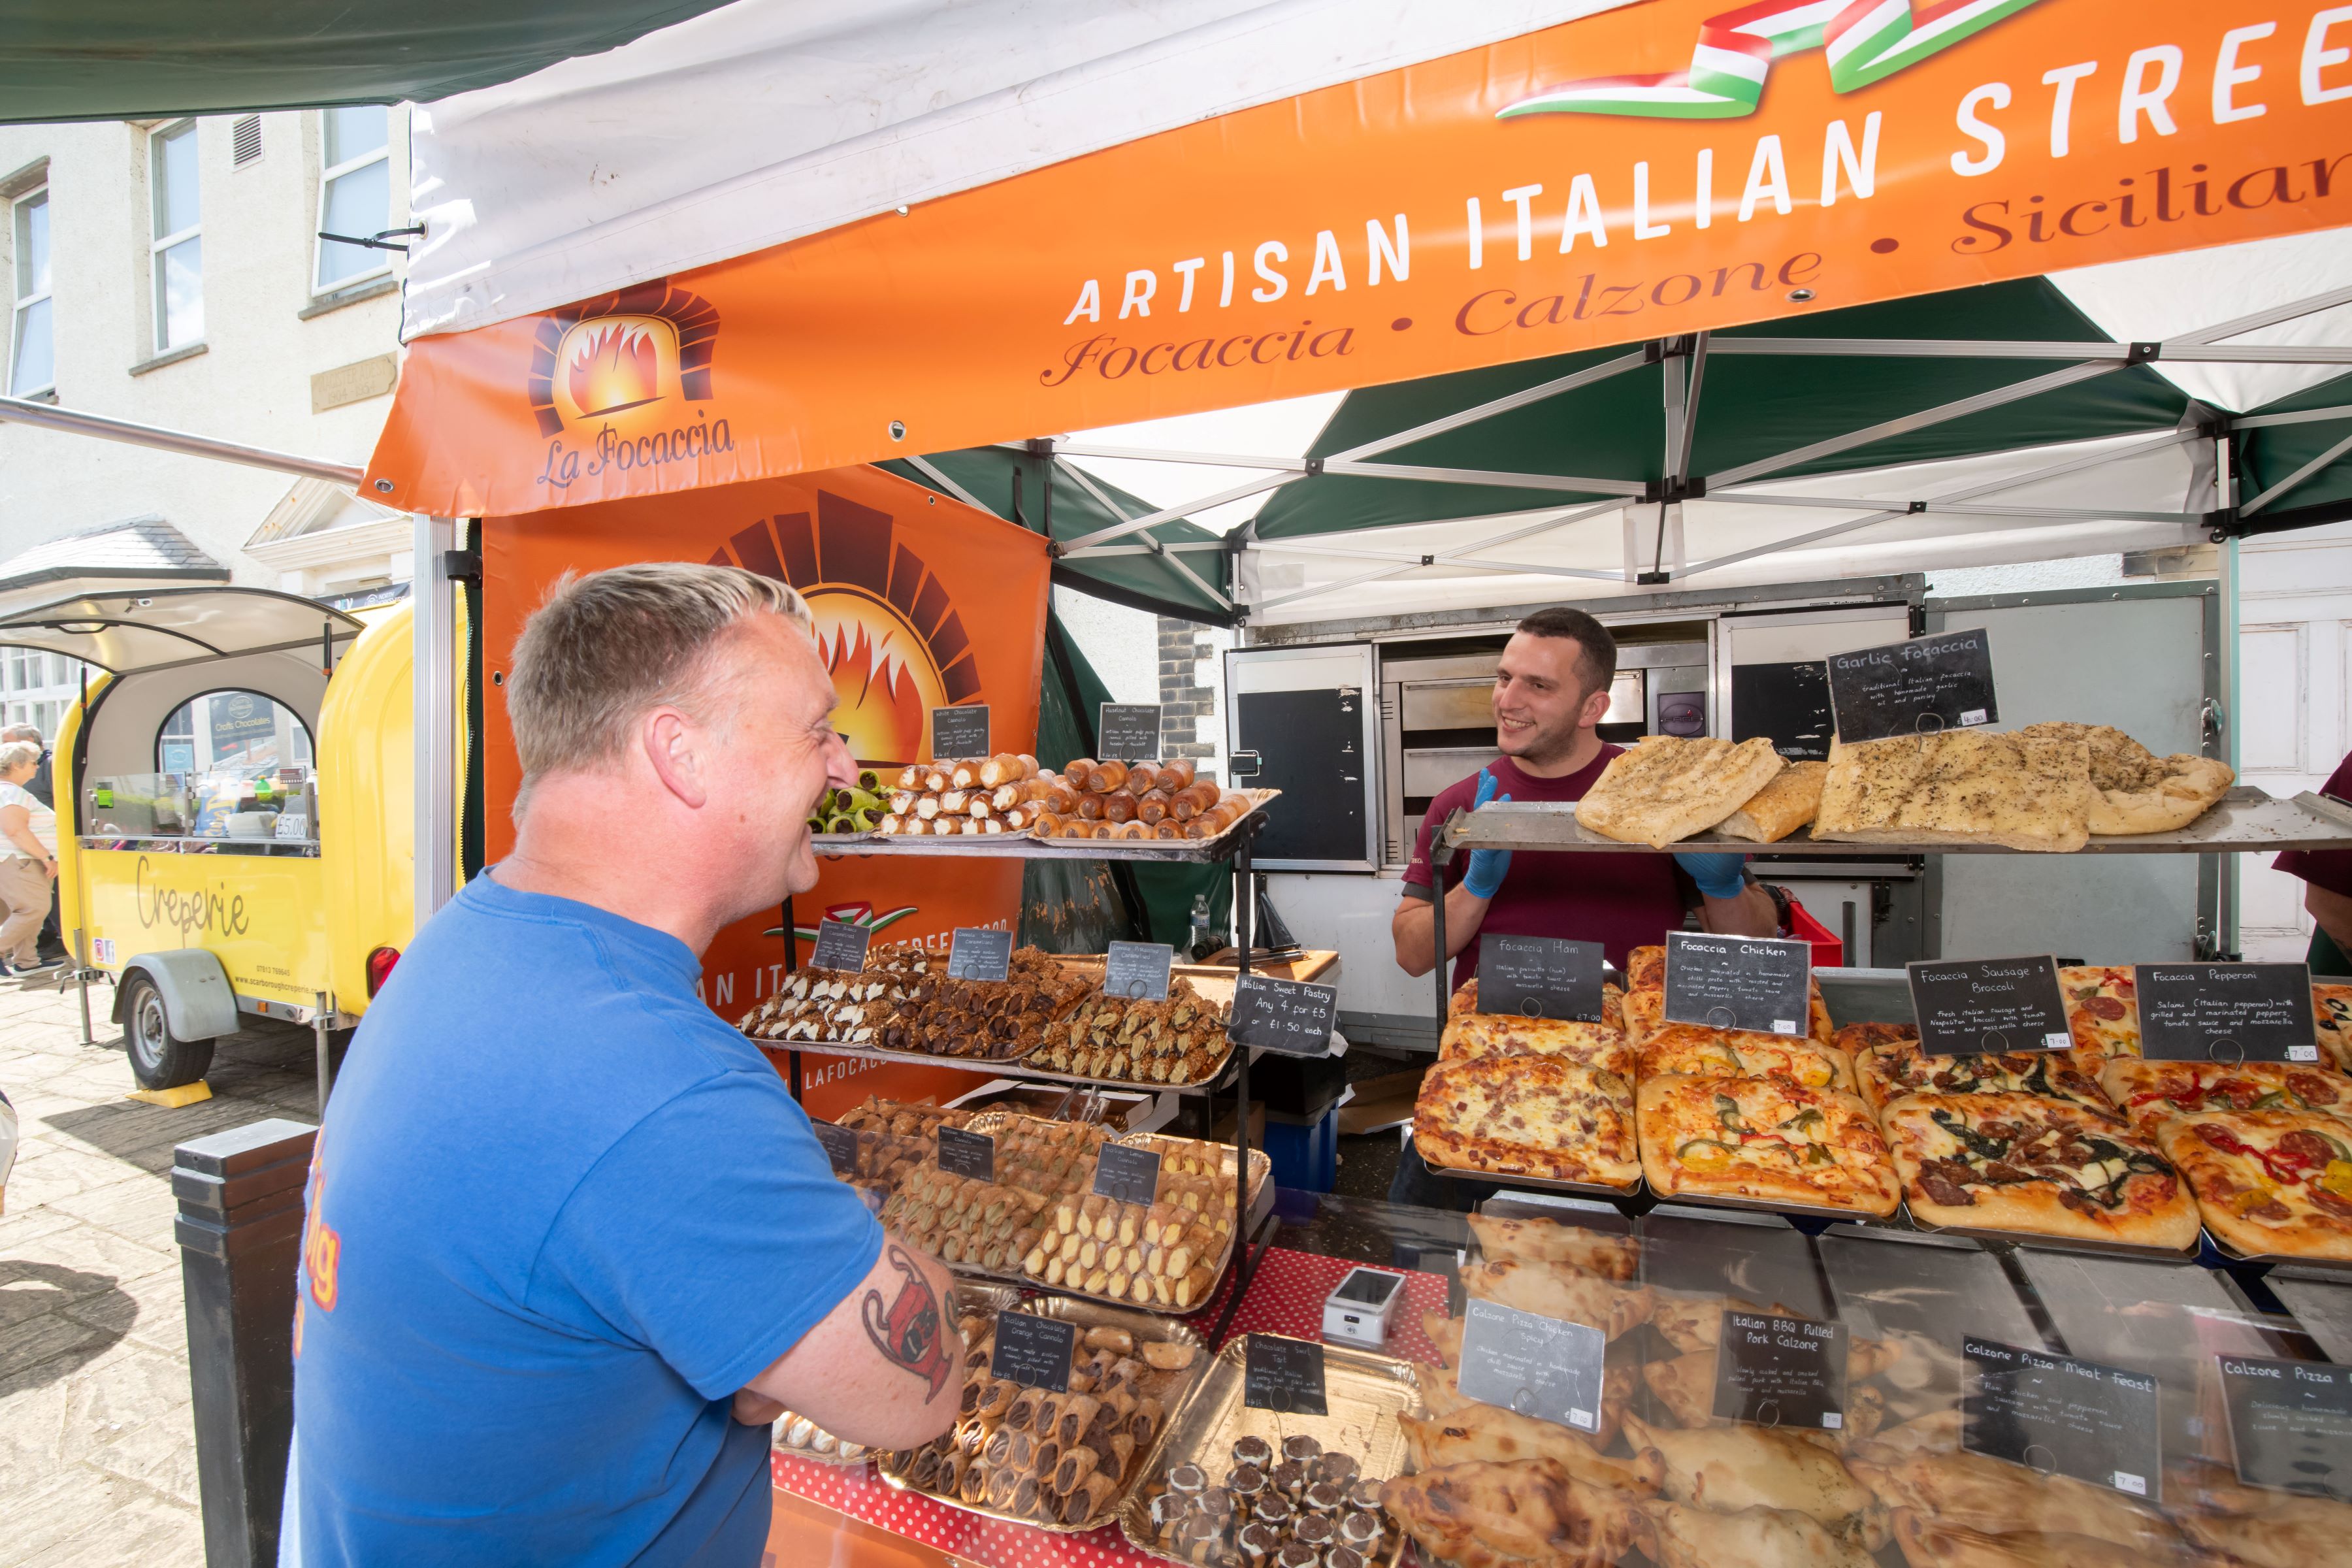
(1286, 1297)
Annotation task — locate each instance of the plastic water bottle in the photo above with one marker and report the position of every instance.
(1204, 940)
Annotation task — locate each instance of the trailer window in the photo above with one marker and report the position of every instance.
(243, 734)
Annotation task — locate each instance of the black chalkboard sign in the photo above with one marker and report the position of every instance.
(840, 944)
(1137, 971)
(840, 1146)
(960, 732)
(1756, 982)
(1540, 977)
(1974, 1005)
(963, 1153)
(1311, 746)
(1034, 1352)
(2290, 1423)
(1126, 1174)
(2055, 1412)
(1549, 1368)
(1788, 704)
(1284, 1374)
(1914, 688)
(1780, 1371)
(1293, 1017)
(1128, 731)
(2226, 1013)
(976, 952)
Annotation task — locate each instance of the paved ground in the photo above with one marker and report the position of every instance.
(98, 1461)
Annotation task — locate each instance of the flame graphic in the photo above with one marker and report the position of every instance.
(886, 696)
(610, 366)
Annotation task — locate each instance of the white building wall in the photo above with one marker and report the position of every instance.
(266, 336)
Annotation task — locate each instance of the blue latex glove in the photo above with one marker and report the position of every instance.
(1488, 867)
(1718, 875)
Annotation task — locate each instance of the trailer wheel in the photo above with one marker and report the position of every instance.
(159, 1058)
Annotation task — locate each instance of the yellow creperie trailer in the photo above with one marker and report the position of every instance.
(200, 931)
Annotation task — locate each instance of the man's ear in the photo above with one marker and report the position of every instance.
(1596, 703)
(672, 746)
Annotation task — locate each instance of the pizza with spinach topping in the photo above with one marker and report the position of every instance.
(2039, 1167)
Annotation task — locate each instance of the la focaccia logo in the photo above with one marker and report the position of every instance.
(1867, 41)
(624, 382)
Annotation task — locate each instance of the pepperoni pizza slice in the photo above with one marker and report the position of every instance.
(2270, 1182)
(2153, 1093)
(2101, 1010)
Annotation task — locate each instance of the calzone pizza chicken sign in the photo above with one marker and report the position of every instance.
(1654, 168)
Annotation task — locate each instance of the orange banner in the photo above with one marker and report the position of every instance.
(1499, 204)
(919, 603)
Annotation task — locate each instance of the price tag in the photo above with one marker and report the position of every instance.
(1284, 1374)
(2053, 1412)
(963, 1153)
(104, 797)
(1293, 1017)
(975, 952)
(960, 732)
(1757, 982)
(1914, 688)
(2227, 1013)
(1129, 731)
(1137, 971)
(1544, 1367)
(841, 944)
(1034, 1352)
(292, 824)
(1978, 1006)
(1780, 1371)
(1540, 977)
(840, 1146)
(2290, 1423)
(1126, 1174)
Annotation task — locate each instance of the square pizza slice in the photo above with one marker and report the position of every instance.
(2021, 1163)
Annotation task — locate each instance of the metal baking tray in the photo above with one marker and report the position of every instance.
(2229, 1254)
(1769, 1205)
(994, 1298)
(1023, 845)
(2054, 1243)
(1259, 799)
(1539, 1184)
(1174, 1395)
(1365, 1394)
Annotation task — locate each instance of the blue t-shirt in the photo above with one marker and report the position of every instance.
(558, 1214)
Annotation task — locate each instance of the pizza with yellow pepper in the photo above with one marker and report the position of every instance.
(1699, 1051)
(2153, 1093)
(2020, 1163)
(1764, 1139)
(2270, 1182)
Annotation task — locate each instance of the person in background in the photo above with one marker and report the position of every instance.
(51, 944)
(571, 1245)
(29, 861)
(1551, 688)
(2327, 892)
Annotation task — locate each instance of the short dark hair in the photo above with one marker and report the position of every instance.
(1596, 650)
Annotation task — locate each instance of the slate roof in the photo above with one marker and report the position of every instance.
(143, 547)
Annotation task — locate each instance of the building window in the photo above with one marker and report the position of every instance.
(32, 359)
(179, 242)
(354, 191)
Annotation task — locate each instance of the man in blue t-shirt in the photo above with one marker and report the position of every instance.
(571, 1245)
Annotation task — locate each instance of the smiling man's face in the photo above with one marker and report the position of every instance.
(1540, 703)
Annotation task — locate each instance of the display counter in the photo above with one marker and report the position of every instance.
(1941, 1392)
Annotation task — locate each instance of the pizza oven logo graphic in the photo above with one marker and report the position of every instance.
(889, 629)
(641, 356)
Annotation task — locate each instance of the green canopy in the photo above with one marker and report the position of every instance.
(1750, 408)
(1144, 571)
(124, 59)
(2293, 468)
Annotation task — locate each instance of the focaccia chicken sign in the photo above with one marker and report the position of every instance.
(1659, 168)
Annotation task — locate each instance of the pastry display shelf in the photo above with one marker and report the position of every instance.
(1232, 843)
(1015, 1066)
(2246, 819)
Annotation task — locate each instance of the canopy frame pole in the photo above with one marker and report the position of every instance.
(1450, 557)
(434, 637)
(1408, 559)
(1153, 546)
(2297, 478)
(2005, 348)
(1956, 506)
(1491, 476)
(73, 422)
(925, 466)
(2310, 304)
(2056, 471)
(2299, 416)
(1174, 513)
(1504, 405)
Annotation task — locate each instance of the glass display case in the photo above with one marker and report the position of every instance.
(234, 807)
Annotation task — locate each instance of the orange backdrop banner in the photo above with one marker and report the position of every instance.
(919, 603)
(1659, 169)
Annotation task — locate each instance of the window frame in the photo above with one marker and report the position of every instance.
(155, 750)
(21, 304)
(158, 305)
(327, 175)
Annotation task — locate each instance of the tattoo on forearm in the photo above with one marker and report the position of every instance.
(910, 1332)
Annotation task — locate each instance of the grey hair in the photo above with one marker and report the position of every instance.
(603, 650)
(16, 754)
(21, 733)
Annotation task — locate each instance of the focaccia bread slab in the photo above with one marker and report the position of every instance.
(1962, 786)
(1668, 788)
(1781, 808)
(2133, 790)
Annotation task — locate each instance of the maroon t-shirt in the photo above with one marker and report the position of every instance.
(1621, 901)
(2329, 868)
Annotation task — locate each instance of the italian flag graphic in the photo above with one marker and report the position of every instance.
(860, 913)
(1867, 40)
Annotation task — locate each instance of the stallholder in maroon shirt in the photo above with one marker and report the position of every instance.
(1621, 901)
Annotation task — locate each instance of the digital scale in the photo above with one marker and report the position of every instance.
(1359, 1308)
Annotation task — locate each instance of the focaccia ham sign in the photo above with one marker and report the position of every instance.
(1501, 204)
